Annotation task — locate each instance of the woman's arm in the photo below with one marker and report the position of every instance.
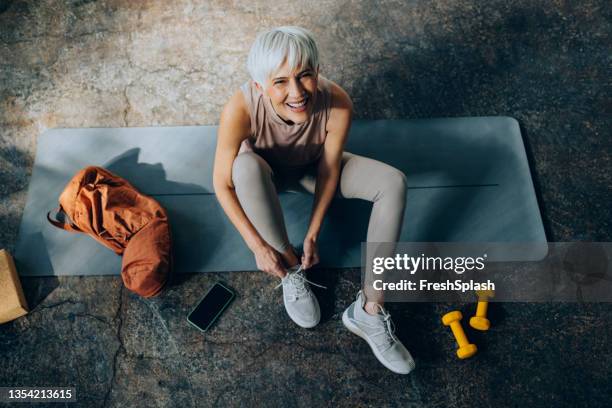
(234, 127)
(328, 171)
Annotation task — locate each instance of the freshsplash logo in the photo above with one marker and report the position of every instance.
(412, 265)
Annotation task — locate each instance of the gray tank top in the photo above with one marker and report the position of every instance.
(278, 142)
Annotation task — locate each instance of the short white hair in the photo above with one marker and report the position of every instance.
(271, 48)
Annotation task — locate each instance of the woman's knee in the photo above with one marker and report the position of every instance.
(249, 167)
(395, 183)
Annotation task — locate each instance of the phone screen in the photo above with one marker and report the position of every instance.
(211, 306)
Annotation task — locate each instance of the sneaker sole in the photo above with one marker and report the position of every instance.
(357, 331)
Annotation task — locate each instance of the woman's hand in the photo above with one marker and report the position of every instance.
(270, 261)
(310, 257)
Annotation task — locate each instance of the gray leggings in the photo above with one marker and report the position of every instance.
(360, 177)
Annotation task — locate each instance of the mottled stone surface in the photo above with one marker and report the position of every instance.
(147, 63)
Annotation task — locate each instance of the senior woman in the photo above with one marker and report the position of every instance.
(287, 127)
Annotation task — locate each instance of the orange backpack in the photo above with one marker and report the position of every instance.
(113, 212)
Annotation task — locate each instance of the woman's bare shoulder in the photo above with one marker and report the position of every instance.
(341, 111)
(236, 109)
(235, 123)
(340, 98)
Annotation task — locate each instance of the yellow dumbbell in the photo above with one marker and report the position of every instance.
(466, 349)
(480, 321)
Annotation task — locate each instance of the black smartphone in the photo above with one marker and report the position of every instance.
(214, 302)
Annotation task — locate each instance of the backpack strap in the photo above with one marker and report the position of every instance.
(62, 225)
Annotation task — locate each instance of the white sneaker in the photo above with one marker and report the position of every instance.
(378, 331)
(301, 304)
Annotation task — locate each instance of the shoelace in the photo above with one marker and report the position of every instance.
(299, 282)
(390, 327)
(388, 330)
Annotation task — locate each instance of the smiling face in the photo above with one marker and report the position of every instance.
(292, 93)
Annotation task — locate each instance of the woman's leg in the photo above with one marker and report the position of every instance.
(254, 185)
(383, 185)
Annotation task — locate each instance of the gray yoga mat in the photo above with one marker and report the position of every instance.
(468, 180)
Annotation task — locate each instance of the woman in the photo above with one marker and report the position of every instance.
(287, 127)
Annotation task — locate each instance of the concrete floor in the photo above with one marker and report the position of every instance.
(119, 63)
